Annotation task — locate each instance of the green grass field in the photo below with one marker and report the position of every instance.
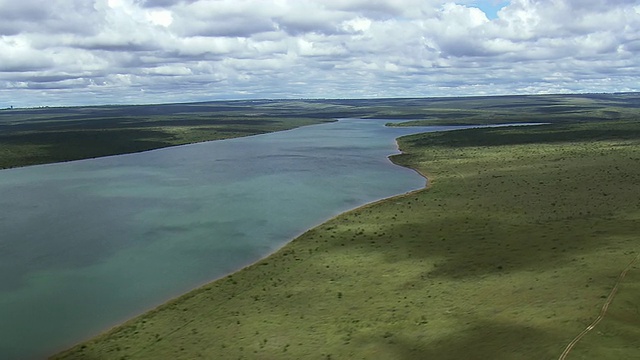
(509, 254)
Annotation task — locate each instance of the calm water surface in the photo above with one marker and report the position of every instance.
(85, 245)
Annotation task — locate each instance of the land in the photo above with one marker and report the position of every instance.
(46, 135)
(510, 252)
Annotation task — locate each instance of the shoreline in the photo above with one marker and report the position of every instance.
(199, 287)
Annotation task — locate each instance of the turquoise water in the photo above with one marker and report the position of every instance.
(85, 245)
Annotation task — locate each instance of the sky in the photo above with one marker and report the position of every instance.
(82, 52)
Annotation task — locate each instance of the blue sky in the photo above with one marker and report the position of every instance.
(490, 7)
(75, 52)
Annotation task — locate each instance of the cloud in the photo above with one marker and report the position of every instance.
(16, 56)
(59, 51)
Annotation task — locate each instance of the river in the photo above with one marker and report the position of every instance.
(87, 244)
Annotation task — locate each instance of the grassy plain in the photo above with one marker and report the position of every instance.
(509, 254)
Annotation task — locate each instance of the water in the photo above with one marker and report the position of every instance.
(85, 245)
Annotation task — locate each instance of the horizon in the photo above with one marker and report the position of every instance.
(80, 53)
(320, 99)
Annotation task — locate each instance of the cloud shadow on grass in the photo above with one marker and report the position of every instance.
(482, 339)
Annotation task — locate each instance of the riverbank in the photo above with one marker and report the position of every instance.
(507, 255)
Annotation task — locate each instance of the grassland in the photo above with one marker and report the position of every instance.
(509, 254)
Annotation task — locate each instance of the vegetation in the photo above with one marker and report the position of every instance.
(514, 109)
(509, 254)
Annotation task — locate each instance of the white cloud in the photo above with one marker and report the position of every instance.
(17, 55)
(160, 17)
(56, 51)
(358, 24)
